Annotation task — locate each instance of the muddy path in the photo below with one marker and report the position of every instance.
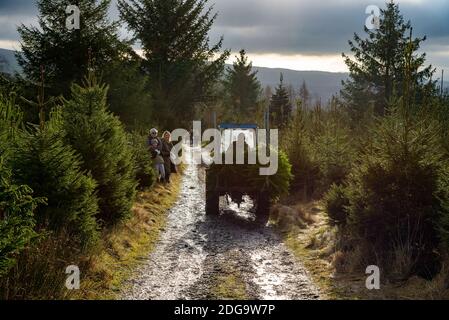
(203, 257)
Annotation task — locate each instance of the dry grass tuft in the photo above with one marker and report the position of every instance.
(340, 274)
(128, 244)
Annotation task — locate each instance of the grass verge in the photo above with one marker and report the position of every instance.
(40, 270)
(301, 226)
(125, 246)
(313, 243)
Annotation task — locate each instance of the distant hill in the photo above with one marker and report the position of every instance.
(321, 84)
(8, 62)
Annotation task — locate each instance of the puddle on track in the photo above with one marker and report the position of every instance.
(193, 248)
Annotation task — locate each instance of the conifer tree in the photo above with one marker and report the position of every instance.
(63, 53)
(144, 166)
(297, 144)
(16, 218)
(182, 65)
(17, 204)
(280, 106)
(52, 169)
(376, 72)
(242, 88)
(397, 196)
(128, 96)
(304, 95)
(98, 136)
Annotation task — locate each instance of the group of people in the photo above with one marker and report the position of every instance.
(160, 149)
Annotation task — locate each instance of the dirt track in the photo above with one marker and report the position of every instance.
(198, 255)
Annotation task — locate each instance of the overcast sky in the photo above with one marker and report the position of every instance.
(295, 34)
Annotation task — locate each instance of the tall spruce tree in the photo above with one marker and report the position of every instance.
(280, 106)
(98, 136)
(181, 63)
(242, 88)
(377, 70)
(63, 53)
(128, 96)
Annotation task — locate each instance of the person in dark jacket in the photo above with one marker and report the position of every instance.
(158, 161)
(166, 148)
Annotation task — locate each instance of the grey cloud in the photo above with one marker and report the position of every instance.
(314, 27)
(285, 26)
(9, 24)
(24, 7)
(12, 14)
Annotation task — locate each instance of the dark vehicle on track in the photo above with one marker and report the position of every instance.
(234, 181)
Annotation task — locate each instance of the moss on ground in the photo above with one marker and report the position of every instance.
(229, 287)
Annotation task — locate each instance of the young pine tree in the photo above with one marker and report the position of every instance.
(16, 218)
(280, 106)
(334, 154)
(99, 137)
(297, 144)
(52, 169)
(145, 174)
(242, 88)
(398, 194)
(305, 96)
(128, 96)
(17, 204)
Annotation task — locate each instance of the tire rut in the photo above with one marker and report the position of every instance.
(196, 250)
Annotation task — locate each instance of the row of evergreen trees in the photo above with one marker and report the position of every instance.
(67, 164)
(243, 101)
(378, 154)
(178, 73)
(75, 173)
(177, 69)
(76, 170)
